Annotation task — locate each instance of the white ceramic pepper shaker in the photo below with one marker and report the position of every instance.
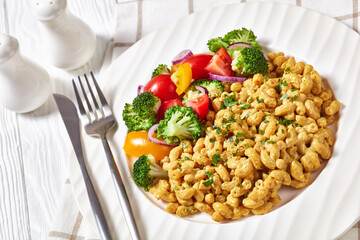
(24, 85)
(67, 42)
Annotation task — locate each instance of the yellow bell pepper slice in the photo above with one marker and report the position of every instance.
(182, 78)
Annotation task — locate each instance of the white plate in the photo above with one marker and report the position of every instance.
(324, 210)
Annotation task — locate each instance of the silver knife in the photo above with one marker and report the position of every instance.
(71, 120)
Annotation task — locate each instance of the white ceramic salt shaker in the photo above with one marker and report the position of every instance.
(24, 85)
(67, 42)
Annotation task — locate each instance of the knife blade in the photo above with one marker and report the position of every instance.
(71, 120)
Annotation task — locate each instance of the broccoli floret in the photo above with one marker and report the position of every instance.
(146, 103)
(241, 35)
(237, 35)
(180, 123)
(135, 121)
(141, 114)
(215, 44)
(249, 61)
(214, 88)
(191, 93)
(161, 69)
(146, 170)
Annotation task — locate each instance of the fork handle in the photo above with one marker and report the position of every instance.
(121, 192)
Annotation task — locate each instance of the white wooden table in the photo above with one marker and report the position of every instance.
(33, 150)
(33, 153)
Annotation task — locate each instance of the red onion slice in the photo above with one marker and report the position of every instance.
(201, 89)
(140, 89)
(182, 56)
(227, 79)
(155, 140)
(239, 44)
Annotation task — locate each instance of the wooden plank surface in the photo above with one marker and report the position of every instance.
(14, 216)
(33, 149)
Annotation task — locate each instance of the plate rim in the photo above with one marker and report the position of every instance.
(109, 69)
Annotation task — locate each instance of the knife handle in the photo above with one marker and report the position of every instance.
(121, 192)
(95, 203)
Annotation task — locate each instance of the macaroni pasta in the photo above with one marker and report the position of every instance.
(264, 133)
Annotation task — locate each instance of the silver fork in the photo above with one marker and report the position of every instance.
(97, 122)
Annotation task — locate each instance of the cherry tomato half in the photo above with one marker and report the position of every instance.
(200, 105)
(137, 144)
(198, 62)
(182, 78)
(220, 64)
(165, 106)
(162, 87)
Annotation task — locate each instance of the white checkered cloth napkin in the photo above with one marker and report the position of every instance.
(134, 20)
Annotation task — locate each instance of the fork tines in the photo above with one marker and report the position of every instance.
(95, 108)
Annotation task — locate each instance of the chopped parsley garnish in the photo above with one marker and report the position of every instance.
(271, 142)
(209, 174)
(209, 182)
(234, 154)
(244, 105)
(176, 188)
(230, 101)
(231, 119)
(294, 89)
(244, 117)
(247, 146)
(285, 121)
(266, 121)
(295, 97)
(279, 87)
(287, 69)
(284, 96)
(241, 134)
(216, 159)
(263, 142)
(266, 79)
